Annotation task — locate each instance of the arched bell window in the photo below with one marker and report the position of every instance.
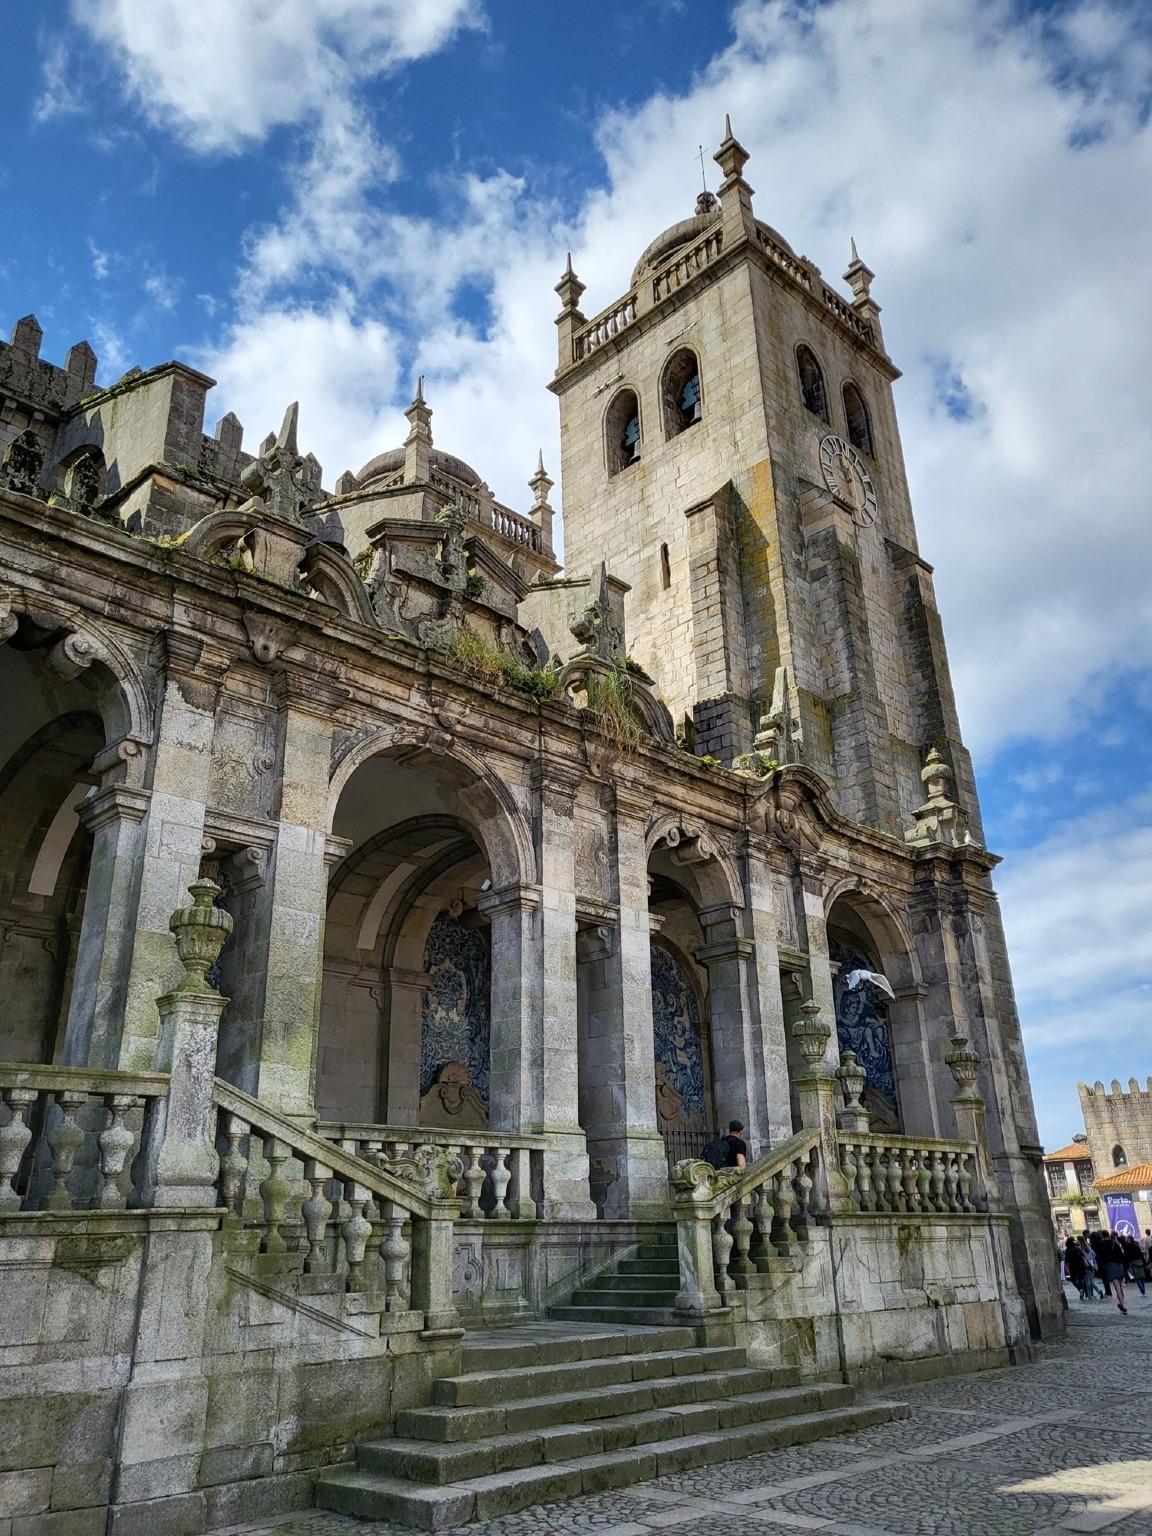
(1119, 1157)
(812, 391)
(857, 420)
(622, 431)
(680, 392)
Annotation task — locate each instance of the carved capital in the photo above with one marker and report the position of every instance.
(116, 803)
(509, 898)
(307, 694)
(557, 783)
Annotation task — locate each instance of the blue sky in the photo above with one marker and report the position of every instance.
(322, 198)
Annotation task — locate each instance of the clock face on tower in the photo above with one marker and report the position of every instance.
(845, 476)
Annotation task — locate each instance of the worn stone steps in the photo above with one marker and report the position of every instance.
(612, 1295)
(646, 1279)
(509, 1348)
(650, 1317)
(662, 1266)
(581, 1376)
(357, 1490)
(450, 1461)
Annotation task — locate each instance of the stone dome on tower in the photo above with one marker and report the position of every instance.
(681, 234)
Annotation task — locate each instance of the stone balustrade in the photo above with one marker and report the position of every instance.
(379, 1224)
(732, 1223)
(500, 1175)
(685, 265)
(514, 527)
(68, 1136)
(912, 1175)
(609, 323)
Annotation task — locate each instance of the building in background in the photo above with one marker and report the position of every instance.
(1069, 1173)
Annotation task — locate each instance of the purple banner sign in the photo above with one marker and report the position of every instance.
(1122, 1215)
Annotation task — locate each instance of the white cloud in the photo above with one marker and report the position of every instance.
(222, 75)
(163, 289)
(60, 94)
(101, 260)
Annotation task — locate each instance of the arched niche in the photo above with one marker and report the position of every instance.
(810, 377)
(681, 396)
(684, 1110)
(886, 1034)
(406, 999)
(622, 431)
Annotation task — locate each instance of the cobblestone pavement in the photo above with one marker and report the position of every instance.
(1062, 1446)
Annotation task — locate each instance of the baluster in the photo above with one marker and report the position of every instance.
(14, 1139)
(908, 1179)
(924, 1179)
(64, 1140)
(802, 1185)
(783, 1201)
(851, 1171)
(762, 1221)
(234, 1168)
(355, 1230)
(316, 1211)
(474, 1177)
(964, 1183)
(394, 1252)
(864, 1176)
(274, 1192)
(721, 1252)
(895, 1181)
(741, 1264)
(979, 1190)
(114, 1144)
(951, 1183)
(936, 1196)
(501, 1178)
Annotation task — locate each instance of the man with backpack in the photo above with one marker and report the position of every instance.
(729, 1151)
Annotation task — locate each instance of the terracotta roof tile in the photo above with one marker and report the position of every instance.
(1139, 1176)
(1076, 1152)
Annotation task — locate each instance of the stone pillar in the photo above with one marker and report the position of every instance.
(767, 997)
(399, 1088)
(173, 833)
(295, 897)
(641, 1188)
(738, 1085)
(114, 817)
(819, 1097)
(810, 890)
(517, 1048)
(566, 1189)
(184, 1165)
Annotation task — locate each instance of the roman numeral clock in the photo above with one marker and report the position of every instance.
(846, 476)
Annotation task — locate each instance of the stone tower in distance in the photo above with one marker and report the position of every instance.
(730, 448)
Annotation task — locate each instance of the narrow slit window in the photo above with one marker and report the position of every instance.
(665, 568)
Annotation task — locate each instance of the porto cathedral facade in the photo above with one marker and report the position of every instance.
(391, 917)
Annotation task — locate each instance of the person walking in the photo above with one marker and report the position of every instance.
(1074, 1265)
(1112, 1252)
(1135, 1260)
(1098, 1240)
(1092, 1284)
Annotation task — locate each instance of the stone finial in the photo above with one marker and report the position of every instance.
(811, 1034)
(964, 1064)
(570, 288)
(276, 477)
(731, 157)
(596, 627)
(852, 1079)
(541, 483)
(938, 820)
(858, 276)
(23, 463)
(418, 443)
(706, 202)
(778, 738)
(201, 931)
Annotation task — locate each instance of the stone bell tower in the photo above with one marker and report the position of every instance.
(730, 448)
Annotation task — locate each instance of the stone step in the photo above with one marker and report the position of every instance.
(637, 1317)
(648, 1266)
(608, 1293)
(539, 1346)
(492, 1386)
(355, 1490)
(443, 1462)
(444, 1423)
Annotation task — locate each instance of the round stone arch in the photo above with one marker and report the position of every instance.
(864, 926)
(705, 868)
(496, 818)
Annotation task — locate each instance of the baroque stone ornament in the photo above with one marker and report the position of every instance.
(811, 1034)
(939, 819)
(852, 1078)
(964, 1064)
(201, 931)
(23, 463)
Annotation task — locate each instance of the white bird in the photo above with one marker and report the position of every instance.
(855, 979)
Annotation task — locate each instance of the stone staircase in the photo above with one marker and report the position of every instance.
(640, 1291)
(582, 1403)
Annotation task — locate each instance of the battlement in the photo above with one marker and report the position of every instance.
(37, 383)
(1133, 1092)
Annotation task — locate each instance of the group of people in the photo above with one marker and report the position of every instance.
(1102, 1263)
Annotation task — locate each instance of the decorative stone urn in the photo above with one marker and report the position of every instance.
(201, 931)
(964, 1064)
(852, 1078)
(811, 1034)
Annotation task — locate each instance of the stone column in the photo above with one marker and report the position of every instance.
(295, 896)
(173, 833)
(738, 1085)
(399, 1091)
(517, 1048)
(566, 1189)
(810, 871)
(641, 1188)
(767, 998)
(114, 817)
(819, 1096)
